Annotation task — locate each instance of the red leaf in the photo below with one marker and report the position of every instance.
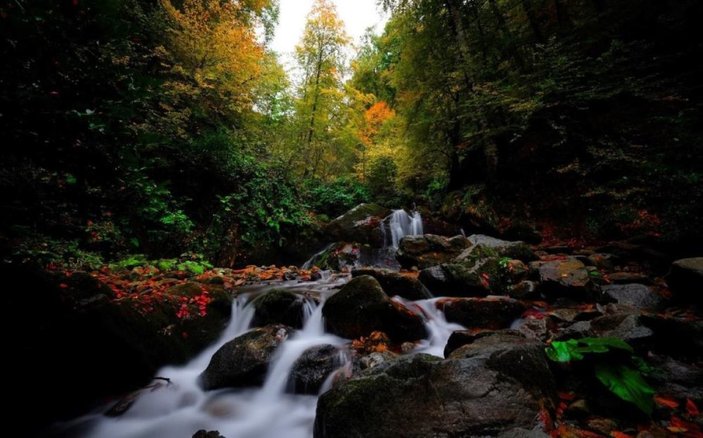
(691, 408)
(665, 401)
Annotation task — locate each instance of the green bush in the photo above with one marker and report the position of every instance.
(335, 197)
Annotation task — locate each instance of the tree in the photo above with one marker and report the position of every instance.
(320, 104)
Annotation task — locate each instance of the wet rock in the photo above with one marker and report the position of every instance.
(676, 378)
(476, 395)
(504, 248)
(635, 295)
(375, 359)
(395, 283)
(278, 306)
(360, 224)
(429, 250)
(566, 278)
(244, 360)
(361, 307)
(686, 280)
(490, 313)
(312, 368)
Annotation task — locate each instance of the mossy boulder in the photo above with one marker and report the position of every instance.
(360, 224)
(362, 307)
(395, 283)
(278, 306)
(429, 250)
(482, 393)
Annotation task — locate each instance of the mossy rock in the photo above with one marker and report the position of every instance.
(278, 306)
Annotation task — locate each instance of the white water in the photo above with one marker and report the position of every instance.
(402, 224)
(181, 408)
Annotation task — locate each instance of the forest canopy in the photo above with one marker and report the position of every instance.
(170, 127)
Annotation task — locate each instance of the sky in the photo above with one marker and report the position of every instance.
(356, 14)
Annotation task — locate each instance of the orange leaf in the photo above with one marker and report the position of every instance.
(665, 401)
(616, 434)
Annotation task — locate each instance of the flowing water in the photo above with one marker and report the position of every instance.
(402, 224)
(181, 407)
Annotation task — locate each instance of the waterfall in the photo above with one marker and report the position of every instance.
(181, 407)
(402, 224)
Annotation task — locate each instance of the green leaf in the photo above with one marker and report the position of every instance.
(628, 384)
(574, 349)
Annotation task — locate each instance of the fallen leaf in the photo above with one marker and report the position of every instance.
(668, 402)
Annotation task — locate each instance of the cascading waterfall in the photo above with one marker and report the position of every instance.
(181, 408)
(402, 224)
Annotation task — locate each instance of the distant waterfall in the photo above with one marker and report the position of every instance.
(402, 224)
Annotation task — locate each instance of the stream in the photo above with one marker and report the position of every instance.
(180, 407)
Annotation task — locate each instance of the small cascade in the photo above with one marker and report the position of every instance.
(436, 324)
(402, 224)
(311, 261)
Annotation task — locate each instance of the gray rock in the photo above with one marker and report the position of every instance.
(504, 248)
(635, 295)
(312, 368)
(244, 360)
(360, 224)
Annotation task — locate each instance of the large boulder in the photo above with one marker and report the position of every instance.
(395, 283)
(504, 248)
(244, 360)
(482, 392)
(567, 278)
(278, 306)
(429, 250)
(361, 307)
(490, 313)
(686, 279)
(360, 224)
(312, 368)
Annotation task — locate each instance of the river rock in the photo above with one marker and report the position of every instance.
(360, 224)
(492, 390)
(244, 360)
(395, 283)
(312, 368)
(361, 307)
(490, 313)
(202, 433)
(686, 279)
(567, 278)
(278, 306)
(504, 248)
(429, 250)
(471, 278)
(635, 295)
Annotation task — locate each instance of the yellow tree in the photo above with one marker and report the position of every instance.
(215, 59)
(320, 108)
